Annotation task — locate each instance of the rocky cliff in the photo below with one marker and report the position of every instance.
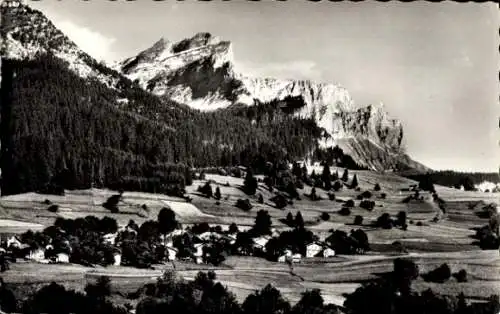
(200, 72)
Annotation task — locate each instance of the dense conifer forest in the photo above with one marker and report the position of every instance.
(59, 129)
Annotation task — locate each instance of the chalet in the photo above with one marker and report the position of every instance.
(171, 253)
(109, 238)
(296, 258)
(14, 242)
(313, 249)
(198, 254)
(117, 256)
(62, 258)
(328, 252)
(287, 255)
(36, 255)
(260, 242)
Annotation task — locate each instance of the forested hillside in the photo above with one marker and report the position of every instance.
(60, 128)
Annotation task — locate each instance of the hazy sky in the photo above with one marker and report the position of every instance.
(434, 65)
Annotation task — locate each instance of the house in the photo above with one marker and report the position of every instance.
(328, 252)
(198, 253)
(14, 242)
(287, 255)
(171, 253)
(109, 238)
(313, 249)
(37, 254)
(296, 258)
(62, 258)
(260, 242)
(117, 256)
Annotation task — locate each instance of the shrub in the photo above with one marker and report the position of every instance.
(419, 223)
(357, 189)
(325, 216)
(376, 187)
(217, 194)
(383, 195)
(349, 203)
(280, 201)
(260, 199)
(368, 205)
(337, 185)
(47, 202)
(345, 211)
(358, 220)
(53, 208)
(331, 196)
(359, 197)
(439, 275)
(206, 190)
(404, 227)
(112, 203)
(461, 276)
(401, 220)
(384, 221)
(366, 194)
(244, 204)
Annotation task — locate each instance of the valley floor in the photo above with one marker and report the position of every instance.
(429, 244)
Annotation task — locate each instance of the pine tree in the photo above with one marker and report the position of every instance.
(217, 194)
(289, 219)
(345, 176)
(326, 176)
(250, 183)
(354, 183)
(299, 220)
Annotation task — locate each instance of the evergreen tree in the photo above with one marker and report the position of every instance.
(250, 184)
(262, 224)
(289, 219)
(354, 183)
(345, 175)
(326, 176)
(217, 194)
(299, 221)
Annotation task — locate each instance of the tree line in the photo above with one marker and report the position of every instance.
(55, 122)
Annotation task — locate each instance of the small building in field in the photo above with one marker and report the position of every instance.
(62, 258)
(296, 258)
(313, 249)
(328, 252)
(109, 238)
(36, 255)
(171, 253)
(260, 242)
(14, 242)
(117, 256)
(198, 254)
(287, 255)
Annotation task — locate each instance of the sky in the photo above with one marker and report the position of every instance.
(433, 65)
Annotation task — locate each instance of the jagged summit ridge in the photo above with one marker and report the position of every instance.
(200, 72)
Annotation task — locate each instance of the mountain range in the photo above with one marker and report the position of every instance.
(195, 79)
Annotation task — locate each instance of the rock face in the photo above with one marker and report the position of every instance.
(27, 32)
(200, 72)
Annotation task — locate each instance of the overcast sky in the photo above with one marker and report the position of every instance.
(434, 65)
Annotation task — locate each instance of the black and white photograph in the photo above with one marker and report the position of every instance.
(249, 157)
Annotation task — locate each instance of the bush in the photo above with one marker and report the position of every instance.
(345, 211)
(376, 187)
(461, 276)
(260, 199)
(383, 195)
(419, 223)
(337, 186)
(368, 205)
(438, 275)
(244, 204)
(280, 201)
(366, 194)
(53, 208)
(349, 203)
(359, 197)
(331, 196)
(325, 216)
(357, 189)
(47, 202)
(206, 190)
(358, 220)
(384, 221)
(112, 203)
